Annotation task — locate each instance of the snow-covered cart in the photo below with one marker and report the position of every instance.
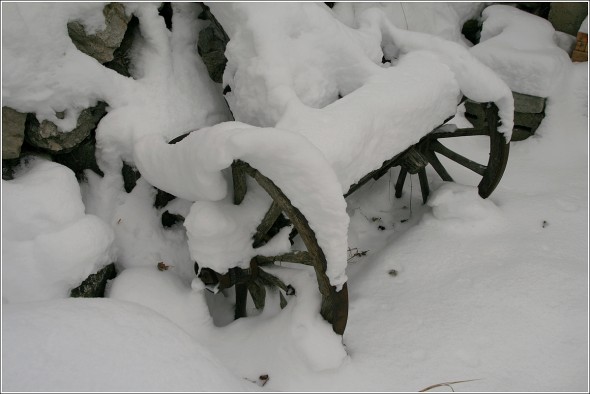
(313, 129)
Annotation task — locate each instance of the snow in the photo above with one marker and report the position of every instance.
(441, 19)
(475, 80)
(287, 158)
(522, 49)
(391, 111)
(492, 291)
(584, 26)
(51, 242)
(76, 345)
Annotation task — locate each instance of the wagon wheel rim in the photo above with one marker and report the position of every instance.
(334, 304)
(491, 172)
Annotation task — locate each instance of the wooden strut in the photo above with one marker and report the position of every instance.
(334, 306)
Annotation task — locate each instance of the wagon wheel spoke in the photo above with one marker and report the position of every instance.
(457, 158)
(334, 307)
(424, 184)
(438, 167)
(490, 172)
(399, 185)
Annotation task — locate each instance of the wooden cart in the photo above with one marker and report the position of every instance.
(412, 159)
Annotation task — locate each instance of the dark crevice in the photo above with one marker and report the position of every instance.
(121, 62)
(166, 12)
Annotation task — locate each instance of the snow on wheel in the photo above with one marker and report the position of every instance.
(253, 280)
(427, 152)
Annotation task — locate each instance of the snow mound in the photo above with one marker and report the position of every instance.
(290, 51)
(81, 345)
(307, 342)
(49, 244)
(165, 293)
(522, 48)
(460, 207)
(442, 19)
(297, 167)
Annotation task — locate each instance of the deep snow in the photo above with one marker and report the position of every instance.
(461, 288)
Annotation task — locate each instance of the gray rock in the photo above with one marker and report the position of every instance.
(528, 104)
(211, 46)
(103, 44)
(82, 157)
(121, 62)
(568, 16)
(48, 137)
(13, 132)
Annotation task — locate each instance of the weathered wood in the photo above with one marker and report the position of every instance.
(375, 175)
(457, 158)
(401, 179)
(413, 161)
(424, 185)
(239, 179)
(499, 151)
(272, 280)
(241, 299)
(438, 167)
(334, 306)
(299, 257)
(265, 225)
(258, 293)
(469, 132)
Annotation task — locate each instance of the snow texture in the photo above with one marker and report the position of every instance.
(462, 288)
(441, 19)
(522, 49)
(104, 345)
(50, 240)
(391, 109)
(288, 159)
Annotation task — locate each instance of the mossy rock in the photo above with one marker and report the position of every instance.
(95, 285)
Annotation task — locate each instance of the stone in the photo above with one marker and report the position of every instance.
(211, 45)
(568, 16)
(103, 43)
(163, 198)
(47, 136)
(130, 177)
(211, 48)
(82, 157)
(121, 62)
(95, 285)
(528, 120)
(13, 132)
(171, 219)
(528, 104)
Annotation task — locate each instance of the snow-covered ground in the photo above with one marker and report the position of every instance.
(492, 292)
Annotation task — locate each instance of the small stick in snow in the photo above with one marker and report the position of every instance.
(448, 384)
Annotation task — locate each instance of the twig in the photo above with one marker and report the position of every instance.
(448, 384)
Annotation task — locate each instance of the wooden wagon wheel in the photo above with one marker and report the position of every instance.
(334, 306)
(431, 146)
